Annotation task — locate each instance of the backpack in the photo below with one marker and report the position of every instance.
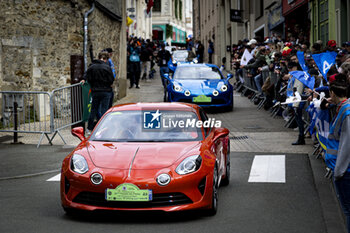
(134, 57)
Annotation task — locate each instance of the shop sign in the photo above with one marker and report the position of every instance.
(236, 16)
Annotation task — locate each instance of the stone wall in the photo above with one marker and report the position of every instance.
(38, 37)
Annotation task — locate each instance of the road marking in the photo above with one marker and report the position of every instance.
(268, 169)
(55, 178)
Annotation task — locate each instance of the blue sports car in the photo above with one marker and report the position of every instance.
(201, 84)
(181, 57)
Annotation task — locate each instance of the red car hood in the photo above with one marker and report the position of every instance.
(141, 155)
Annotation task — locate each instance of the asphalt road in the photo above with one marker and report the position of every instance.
(302, 202)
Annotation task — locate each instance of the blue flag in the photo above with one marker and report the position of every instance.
(304, 77)
(322, 125)
(324, 62)
(301, 59)
(290, 86)
(313, 112)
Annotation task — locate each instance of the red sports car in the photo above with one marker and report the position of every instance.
(148, 156)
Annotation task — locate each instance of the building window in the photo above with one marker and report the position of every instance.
(176, 8)
(323, 20)
(180, 10)
(259, 9)
(157, 5)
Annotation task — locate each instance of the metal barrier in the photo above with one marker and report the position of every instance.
(41, 112)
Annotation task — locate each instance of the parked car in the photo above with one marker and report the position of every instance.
(202, 84)
(139, 158)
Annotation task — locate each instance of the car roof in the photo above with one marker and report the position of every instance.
(174, 106)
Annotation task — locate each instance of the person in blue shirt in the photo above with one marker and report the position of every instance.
(111, 64)
(338, 147)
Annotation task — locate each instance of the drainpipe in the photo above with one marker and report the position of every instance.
(86, 33)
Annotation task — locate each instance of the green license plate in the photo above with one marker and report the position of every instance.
(128, 192)
(202, 98)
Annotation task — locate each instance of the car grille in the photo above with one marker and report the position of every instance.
(159, 200)
(213, 102)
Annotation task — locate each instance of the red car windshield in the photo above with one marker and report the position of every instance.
(148, 126)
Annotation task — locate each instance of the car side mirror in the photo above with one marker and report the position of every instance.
(79, 133)
(229, 76)
(166, 76)
(220, 132)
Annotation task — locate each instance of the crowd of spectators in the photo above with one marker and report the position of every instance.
(278, 58)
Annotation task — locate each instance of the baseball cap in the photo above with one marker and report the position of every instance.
(331, 43)
(109, 50)
(252, 41)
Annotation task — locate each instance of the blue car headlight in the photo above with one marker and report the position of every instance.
(177, 88)
(187, 93)
(189, 165)
(223, 88)
(215, 93)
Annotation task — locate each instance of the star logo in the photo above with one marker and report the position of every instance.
(156, 115)
(152, 120)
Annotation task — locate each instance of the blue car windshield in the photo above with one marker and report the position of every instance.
(148, 126)
(197, 72)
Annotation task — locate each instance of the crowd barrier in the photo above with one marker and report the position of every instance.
(41, 112)
(249, 85)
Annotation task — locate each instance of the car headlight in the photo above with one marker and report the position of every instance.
(189, 165)
(79, 164)
(187, 93)
(223, 88)
(177, 88)
(174, 62)
(195, 60)
(215, 93)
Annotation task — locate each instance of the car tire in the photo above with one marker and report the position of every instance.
(214, 205)
(69, 211)
(226, 180)
(165, 98)
(230, 108)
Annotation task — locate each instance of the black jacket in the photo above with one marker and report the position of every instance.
(100, 76)
(163, 57)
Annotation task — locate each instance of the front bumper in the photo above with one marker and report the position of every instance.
(222, 100)
(192, 191)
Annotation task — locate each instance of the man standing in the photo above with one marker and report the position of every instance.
(111, 64)
(200, 53)
(163, 58)
(145, 60)
(100, 77)
(210, 51)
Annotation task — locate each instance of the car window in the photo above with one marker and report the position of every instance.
(148, 126)
(197, 72)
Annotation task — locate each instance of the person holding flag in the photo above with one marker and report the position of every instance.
(302, 79)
